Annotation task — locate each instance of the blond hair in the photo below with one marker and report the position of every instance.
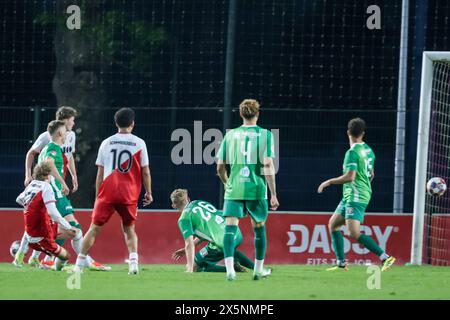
(249, 108)
(41, 171)
(178, 197)
(54, 125)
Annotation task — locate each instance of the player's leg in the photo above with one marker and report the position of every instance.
(20, 254)
(206, 260)
(128, 213)
(88, 242)
(258, 211)
(62, 256)
(354, 217)
(232, 210)
(335, 223)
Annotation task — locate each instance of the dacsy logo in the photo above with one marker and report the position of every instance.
(301, 239)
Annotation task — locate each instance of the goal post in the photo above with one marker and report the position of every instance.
(434, 94)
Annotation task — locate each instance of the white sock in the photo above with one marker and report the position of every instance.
(89, 260)
(81, 261)
(134, 257)
(23, 244)
(259, 266)
(77, 241)
(48, 258)
(229, 264)
(383, 256)
(36, 254)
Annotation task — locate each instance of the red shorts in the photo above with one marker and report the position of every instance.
(48, 246)
(103, 211)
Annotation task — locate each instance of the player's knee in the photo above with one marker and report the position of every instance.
(232, 221)
(258, 224)
(354, 234)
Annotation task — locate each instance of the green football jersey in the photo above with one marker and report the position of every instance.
(361, 158)
(54, 151)
(244, 149)
(202, 219)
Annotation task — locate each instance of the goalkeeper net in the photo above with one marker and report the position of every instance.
(436, 220)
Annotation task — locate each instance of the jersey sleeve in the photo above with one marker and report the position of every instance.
(100, 156)
(351, 161)
(47, 194)
(52, 153)
(144, 155)
(222, 153)
(186, 229)
(41, 142)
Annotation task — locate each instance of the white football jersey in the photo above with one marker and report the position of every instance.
(122, 156)
(68, 148)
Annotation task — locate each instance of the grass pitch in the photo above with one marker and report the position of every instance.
(167, 282)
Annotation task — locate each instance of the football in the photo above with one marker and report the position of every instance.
(436, 186)
(14, 247)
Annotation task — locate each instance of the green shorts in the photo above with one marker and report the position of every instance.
(211, 254)
(64, 206)
(257, 209)
(351, 210)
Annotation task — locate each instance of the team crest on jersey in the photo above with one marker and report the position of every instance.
(245, 172)
(53, 152)
(350, 210)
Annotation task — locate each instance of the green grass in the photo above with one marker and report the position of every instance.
(170, 282)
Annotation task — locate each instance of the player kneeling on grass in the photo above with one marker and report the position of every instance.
(43, 222)
(357, 190)
(122, 169)
(200, 219)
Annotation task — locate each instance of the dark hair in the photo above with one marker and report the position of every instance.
(41, 171)
(124, 117)
(356, 127)
(64, 113)
(54, 125)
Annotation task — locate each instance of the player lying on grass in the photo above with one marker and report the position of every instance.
(201, 220)
(358, 173)
(122, 169)
(43, 222)
(52, 154)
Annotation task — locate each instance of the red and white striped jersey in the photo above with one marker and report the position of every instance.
(122, 156)
(34, 198)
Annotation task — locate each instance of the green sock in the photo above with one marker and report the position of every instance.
(337, 240)
(243, 260)
(370, 244)
(260, 242)
(228, 240)
(60, 242)
(214, 268)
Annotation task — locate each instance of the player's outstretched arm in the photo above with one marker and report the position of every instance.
(73, 173)
(269, 173)
(190, 253)
(349, 176)
(31, 154)
(54, 172)
(147, 182)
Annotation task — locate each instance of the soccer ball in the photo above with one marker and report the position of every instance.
(436, 186)
(15, 247)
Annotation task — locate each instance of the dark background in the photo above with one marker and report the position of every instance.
(312, 64)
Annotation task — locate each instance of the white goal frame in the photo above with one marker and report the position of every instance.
(422, 151)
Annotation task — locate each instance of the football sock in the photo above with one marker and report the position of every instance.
(77, 241)
(243, 260)
(370, 244)
(260, 243)
(60, 242)
(23, 244)
(134, 258)
(337, 240)
(35, 254)
(229, 265)
(48, 258)
(81, 260)
(228, 241)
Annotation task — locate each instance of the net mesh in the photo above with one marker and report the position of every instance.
(437, 209)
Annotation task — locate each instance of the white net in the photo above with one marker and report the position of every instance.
(437, 209)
